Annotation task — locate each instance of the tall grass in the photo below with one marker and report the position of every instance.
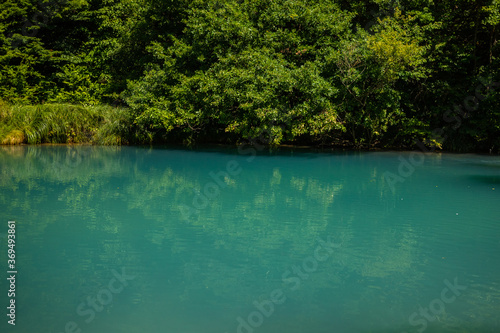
(64, 123)
(116, 127)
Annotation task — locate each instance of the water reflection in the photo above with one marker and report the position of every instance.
(84, 211)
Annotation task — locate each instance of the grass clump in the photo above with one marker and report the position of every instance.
(64, 123)
(14, 137)
(116, 127)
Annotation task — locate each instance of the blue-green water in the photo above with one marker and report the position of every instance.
(168, 240)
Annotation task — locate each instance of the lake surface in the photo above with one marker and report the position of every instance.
(132, 239)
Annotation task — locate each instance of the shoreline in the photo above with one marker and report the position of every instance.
(284, 147)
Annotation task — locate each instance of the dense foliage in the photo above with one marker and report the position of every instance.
(375, 73)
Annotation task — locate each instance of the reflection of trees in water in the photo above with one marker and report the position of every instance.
(121, 194)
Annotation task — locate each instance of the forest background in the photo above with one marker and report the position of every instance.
(357, 74)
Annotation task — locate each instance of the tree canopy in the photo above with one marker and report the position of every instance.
(378, 73)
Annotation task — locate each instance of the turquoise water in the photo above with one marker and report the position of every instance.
(133, 239)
